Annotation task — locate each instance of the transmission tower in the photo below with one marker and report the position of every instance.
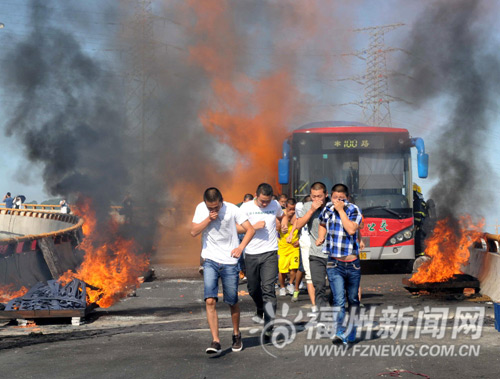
(375, 105)
(140, 81)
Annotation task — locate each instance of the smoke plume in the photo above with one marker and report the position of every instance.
(451, 61)
(67, 114)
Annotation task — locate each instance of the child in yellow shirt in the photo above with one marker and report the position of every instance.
(288, 252)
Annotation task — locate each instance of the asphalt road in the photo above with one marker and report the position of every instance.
(162, 333)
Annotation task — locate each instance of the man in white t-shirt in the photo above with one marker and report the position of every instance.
(221, 248)
(261, 259)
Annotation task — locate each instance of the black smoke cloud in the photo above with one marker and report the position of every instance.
(77, 116)
(73, 112)
(66, 111)
(451, 60)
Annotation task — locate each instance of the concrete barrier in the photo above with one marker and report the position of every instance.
(484, 264)
(38, 245)
(32, 222)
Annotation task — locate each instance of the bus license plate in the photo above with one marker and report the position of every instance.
(363, 255)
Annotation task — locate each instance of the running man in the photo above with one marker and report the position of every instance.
(339, 224)
(309, 216)
(261, 257)
(221, 248)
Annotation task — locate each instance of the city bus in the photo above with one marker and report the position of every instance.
(375, 163)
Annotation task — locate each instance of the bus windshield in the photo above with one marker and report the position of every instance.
(377, 179)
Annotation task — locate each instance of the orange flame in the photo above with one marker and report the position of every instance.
(112, 266)
(252, 116)
(85, 211)
(8, 293)
(448, 249)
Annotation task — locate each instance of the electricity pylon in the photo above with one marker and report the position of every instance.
(375, 104)
(140, 83)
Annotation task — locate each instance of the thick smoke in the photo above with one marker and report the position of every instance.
(204, 100)
(452, 61)
(232, 91)
(67, 114)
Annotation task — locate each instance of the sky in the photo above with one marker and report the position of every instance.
(312, 42)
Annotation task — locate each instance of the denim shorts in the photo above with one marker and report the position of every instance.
(229, 275)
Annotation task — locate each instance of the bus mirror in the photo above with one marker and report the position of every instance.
(283, 169)
(423, 165)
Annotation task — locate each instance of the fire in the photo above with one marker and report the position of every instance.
(255, 125)
(85, 211)
(448, 248)
(8, 293)
(112, 264)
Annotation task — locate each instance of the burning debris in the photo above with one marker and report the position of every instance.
(50, 300)
(8, 292)
(448, 249)
(112, 265)
(51, 296)
(111, 269)
(456, 284)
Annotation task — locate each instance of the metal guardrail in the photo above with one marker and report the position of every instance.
(42, 207)
(57, 208)
(69, 218)
(52, 207)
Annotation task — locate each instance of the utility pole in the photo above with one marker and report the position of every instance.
(375, 104)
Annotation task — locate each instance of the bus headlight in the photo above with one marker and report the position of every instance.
(402, 236)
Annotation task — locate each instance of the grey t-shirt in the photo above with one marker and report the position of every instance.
(313, 226)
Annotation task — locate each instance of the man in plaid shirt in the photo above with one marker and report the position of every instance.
(339, 223)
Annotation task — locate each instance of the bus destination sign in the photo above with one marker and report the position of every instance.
(352, 142)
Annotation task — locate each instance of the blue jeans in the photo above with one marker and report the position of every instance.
(229, 275)
(343, 277)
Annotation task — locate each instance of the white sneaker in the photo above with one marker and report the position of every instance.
(258, 318)
(302, 286)
(282, 292)
(290, 288)
(314, 309)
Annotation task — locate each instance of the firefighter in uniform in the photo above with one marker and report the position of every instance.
(419, 215)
